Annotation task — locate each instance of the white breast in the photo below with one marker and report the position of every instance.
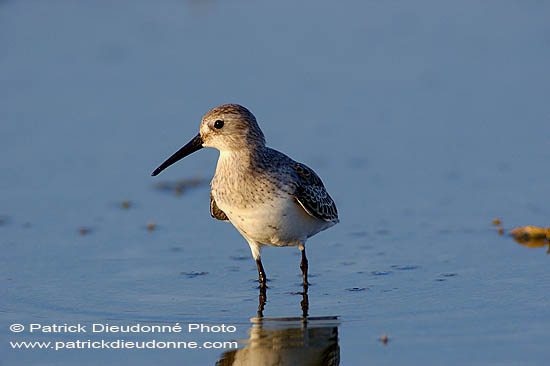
(281, 222)
(262, 210)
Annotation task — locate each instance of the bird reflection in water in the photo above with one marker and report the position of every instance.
(288, 341)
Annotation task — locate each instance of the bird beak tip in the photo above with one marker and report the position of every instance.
(192, 146)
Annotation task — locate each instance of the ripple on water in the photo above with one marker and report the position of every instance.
(380, 273)
(405, 267)
(347, 263)
(181, 186)
(239, 257)
(193, 274)
(449, 274)
(446, 275)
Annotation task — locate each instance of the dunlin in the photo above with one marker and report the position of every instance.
(268, 197)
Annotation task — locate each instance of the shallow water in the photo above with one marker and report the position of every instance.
(425, 121)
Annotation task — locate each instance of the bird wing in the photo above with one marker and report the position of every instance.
(215, 211)
(312, 195)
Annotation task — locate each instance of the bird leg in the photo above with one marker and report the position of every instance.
(262, 298)
(261, 274)
(303, 267)
(305, 303)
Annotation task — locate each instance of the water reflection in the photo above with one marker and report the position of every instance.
(532, 236)
(262, 298)
(288, 341)
(534, 243)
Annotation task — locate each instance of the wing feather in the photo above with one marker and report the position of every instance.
(312, 195)
(215, 211)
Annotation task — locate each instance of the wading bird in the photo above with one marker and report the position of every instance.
(268, 197)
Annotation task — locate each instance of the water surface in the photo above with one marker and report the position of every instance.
(426, 121)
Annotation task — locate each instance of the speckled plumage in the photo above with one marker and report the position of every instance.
(268, 197)
(253, 181)
(268, 174)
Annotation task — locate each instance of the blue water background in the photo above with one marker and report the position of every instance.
(426, 120)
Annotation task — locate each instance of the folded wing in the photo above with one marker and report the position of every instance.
(215, 211)
(312, 195)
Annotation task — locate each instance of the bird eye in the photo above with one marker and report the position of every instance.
(218, 124)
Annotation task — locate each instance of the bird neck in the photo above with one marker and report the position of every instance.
(241, 159)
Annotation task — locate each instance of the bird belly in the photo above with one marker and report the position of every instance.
(281, 222)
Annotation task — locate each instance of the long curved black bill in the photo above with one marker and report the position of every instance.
(191, 147)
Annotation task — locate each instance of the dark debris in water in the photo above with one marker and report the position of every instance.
(356, 289)
(527, 233)
(193, 274)
(529, 236)
(126, 204)
(84, 230)
(181, 186)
